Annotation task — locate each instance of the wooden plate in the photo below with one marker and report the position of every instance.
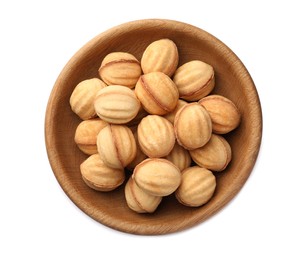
(232, 81)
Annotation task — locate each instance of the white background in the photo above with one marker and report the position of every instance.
(267, 220)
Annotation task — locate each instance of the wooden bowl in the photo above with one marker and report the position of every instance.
(232, 80)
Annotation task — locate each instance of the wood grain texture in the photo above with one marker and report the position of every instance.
(232, 80)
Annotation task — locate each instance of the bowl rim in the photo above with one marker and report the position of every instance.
(200, 216)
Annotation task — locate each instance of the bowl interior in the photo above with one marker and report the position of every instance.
(232, 80)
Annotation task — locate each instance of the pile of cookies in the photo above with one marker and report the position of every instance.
(159, 121)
